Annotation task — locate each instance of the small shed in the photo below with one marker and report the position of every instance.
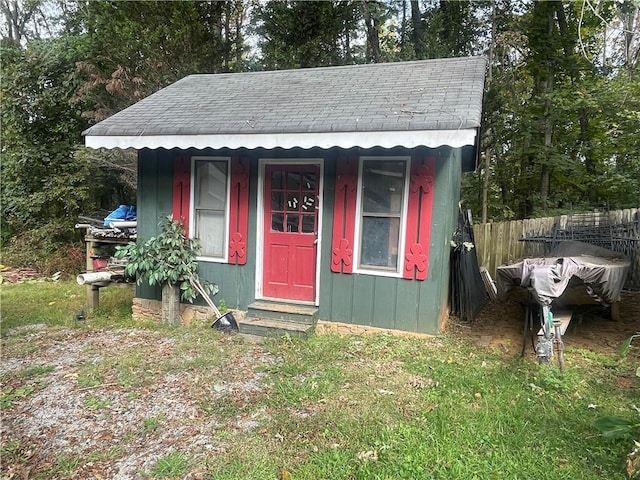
(329, 191)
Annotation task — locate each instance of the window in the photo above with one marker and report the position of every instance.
(210, 201)
(382, 204)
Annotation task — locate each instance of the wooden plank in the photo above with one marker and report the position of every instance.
(521, 245)
(407, 298)
(500, 257)
(363, 291)
(489, 285)
(484, 251)
(274, 328)
(342, 298)
(284, 308)
(493, 263)
(384, 312)
(562, 316)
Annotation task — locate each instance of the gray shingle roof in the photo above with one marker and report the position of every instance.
(443, 94)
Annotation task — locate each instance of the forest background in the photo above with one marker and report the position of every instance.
(561, 126)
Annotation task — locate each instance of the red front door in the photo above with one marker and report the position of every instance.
(290, 231)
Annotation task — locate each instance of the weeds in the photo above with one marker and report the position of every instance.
(151, 424)
(9, 395)
(96, 403)
(171, 466)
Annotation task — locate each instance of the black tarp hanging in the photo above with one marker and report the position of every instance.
(467, 293)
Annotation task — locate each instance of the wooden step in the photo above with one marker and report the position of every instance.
(562, 316)
(307, 314)
(270, 327)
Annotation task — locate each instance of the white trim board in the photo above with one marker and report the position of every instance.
(407, 139)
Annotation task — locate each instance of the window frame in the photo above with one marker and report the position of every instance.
(357, 250)
(193, 210)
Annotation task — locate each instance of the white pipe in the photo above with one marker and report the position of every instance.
(123, 224)
(93, 277)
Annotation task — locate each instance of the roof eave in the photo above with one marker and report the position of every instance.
(386, 139)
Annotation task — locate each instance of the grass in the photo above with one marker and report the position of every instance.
(344, 407)
(55, 303)
(174, 465)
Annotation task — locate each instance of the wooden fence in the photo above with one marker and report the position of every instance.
(499, 243)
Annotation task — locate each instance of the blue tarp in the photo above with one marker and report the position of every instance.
(122, 213)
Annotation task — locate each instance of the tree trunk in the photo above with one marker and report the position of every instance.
(239, 20)
(546, 120)
(170, 304)
(374, 54)
(403, 27)
(589, 162)
(418, 30)
(487, 165)
(545, 180)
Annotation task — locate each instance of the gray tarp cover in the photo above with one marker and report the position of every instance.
(602, 271)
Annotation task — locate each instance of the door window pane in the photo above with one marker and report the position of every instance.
(308, 182)
(308, 223)
(277, 201)
(308, 203)
(293, 203)
(293, 181)
(277, 222)
(277, 180)
(293, 220)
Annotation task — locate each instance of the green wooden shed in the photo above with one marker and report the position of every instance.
(320, 196)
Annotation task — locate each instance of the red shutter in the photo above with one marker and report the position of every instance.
(239, 211)
(182, 191)
(421, 183)
(344, 215)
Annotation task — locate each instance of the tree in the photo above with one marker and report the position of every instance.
(139, 47)
(298, 34)
(558, 113)
(44, 186)
(25, 20)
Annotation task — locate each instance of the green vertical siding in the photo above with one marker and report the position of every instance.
(407, 311)
(154, 200)
(155, 191)
(393, 303)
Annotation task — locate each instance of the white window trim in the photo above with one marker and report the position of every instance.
(403, 220)
(192, 208)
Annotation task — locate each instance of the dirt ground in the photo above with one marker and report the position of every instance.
(500, 325)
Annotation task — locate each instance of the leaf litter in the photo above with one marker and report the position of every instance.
(102, 424)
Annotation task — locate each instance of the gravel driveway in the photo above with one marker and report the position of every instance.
(57, 417)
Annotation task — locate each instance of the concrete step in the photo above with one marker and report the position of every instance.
(306, 314)
(271, 327)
